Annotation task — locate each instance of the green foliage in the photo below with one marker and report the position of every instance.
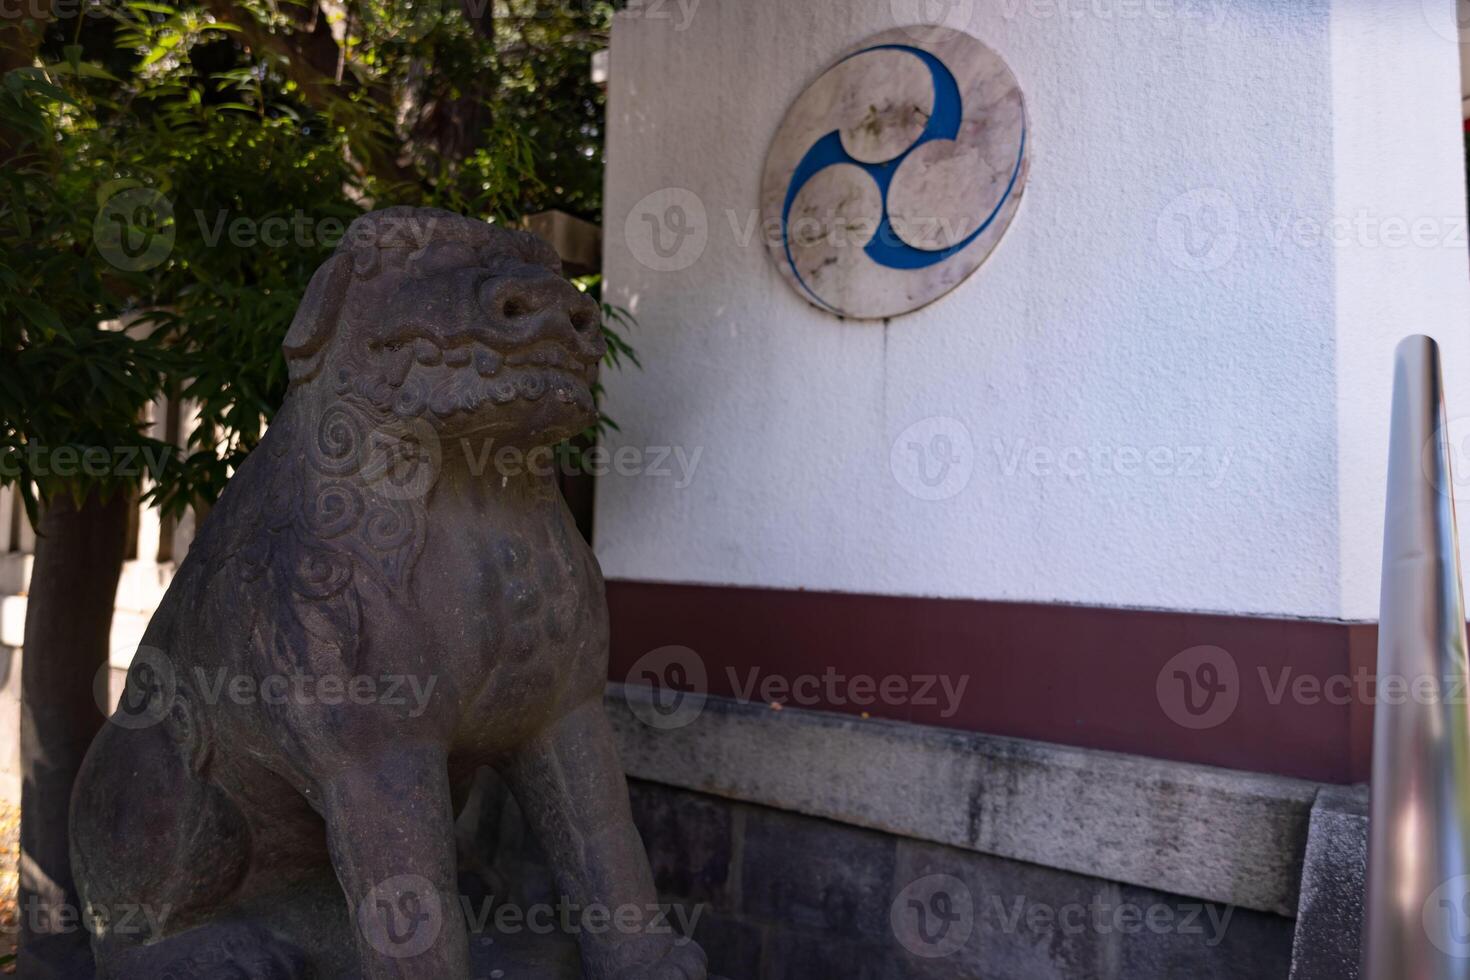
(180, 169)
(547, 95)
(68, 387)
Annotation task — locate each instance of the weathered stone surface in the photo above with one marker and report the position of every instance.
(689, 841)
(734, 944)
(524, 960)
(1221, 835)
(381, 603)
(816, 876)
(1024, 921)
(793, 955)
(807, 899)
(1330, 918)
(1173, 936)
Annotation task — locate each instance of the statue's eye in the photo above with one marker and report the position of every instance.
(440, 257)
(497, 261)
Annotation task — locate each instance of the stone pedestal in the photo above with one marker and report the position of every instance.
(524, 958)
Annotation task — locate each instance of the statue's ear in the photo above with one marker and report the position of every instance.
(316, 318)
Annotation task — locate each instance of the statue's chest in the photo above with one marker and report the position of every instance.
(525, 607)
(540, 595)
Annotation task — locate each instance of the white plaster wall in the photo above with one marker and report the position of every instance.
(1093, 329)
(1399, 163)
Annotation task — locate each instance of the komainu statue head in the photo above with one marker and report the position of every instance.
(425, 314)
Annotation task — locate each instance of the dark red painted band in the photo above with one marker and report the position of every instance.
(1270, 695)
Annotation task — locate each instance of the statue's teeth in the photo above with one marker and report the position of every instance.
(443, 401)
(396, 365)
(457, 356)
(427, 352)
(531, 386)
(487, 362)
(412, 399)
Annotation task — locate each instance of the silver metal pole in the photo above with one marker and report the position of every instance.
(1417, 911)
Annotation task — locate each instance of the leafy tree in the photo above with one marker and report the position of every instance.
(181, 169)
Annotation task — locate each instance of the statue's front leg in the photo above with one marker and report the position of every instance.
(390, 831)
(572, 789)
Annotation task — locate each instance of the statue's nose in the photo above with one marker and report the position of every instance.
(542, 307)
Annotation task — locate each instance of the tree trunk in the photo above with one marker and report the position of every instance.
(79, 555)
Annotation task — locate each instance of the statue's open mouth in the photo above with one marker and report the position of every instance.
(464, 374)
(481, 351)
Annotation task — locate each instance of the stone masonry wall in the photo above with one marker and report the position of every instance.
(781, 896)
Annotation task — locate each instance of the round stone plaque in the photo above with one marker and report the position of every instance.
(895, 173)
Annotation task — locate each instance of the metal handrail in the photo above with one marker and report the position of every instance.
(1417, 908)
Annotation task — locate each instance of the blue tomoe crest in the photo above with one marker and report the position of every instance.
(887, 248)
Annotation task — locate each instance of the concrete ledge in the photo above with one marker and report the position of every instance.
(1328, 940)
(1224, 836)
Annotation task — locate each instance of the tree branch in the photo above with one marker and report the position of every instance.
(311, 58)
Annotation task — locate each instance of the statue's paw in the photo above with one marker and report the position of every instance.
(683, 961)
(214, 952)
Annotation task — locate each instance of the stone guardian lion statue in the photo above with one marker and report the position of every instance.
(260, 784)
